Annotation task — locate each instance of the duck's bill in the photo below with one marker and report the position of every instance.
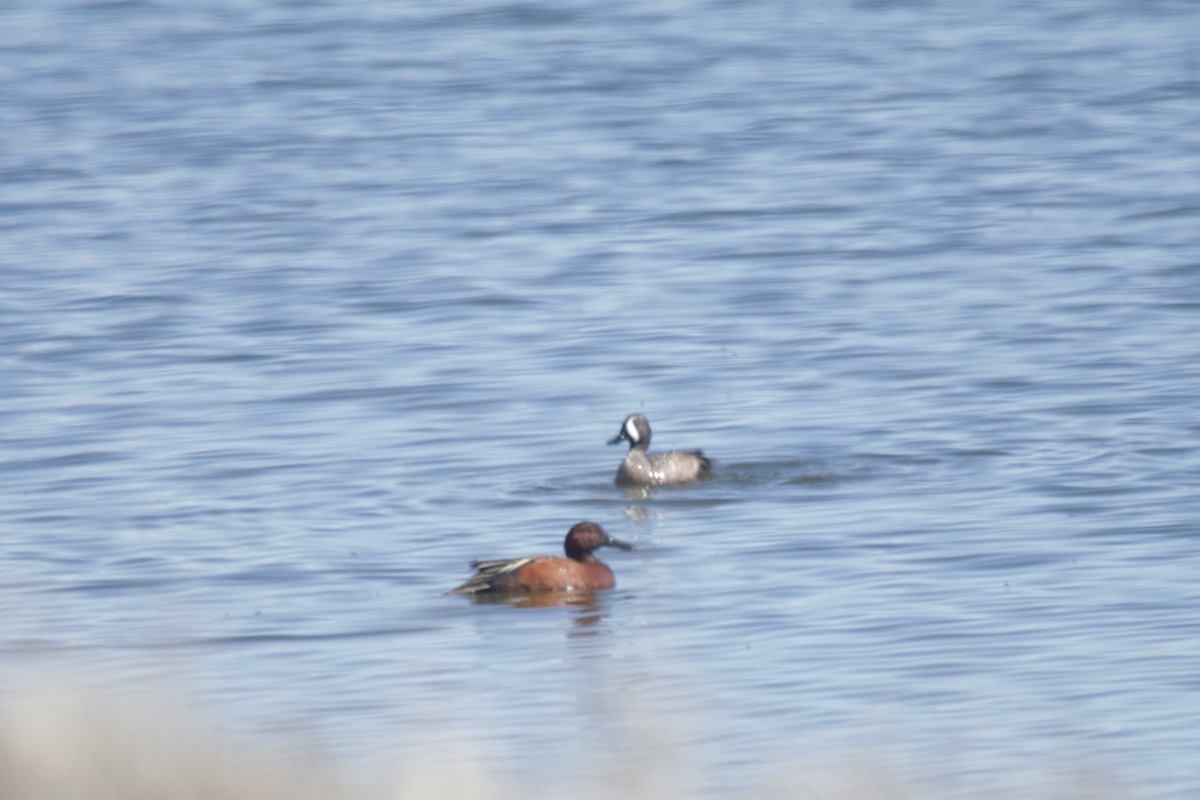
(612, 542)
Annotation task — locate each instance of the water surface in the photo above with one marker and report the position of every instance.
(304, 307)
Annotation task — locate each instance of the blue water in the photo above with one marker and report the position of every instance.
(305, 305)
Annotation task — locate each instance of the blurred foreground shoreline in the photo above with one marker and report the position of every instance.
(61, 742)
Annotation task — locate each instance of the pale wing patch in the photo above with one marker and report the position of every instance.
(501, 566)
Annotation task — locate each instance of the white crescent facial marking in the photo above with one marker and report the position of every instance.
(631, 430)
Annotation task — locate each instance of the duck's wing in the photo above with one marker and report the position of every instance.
(489, 572)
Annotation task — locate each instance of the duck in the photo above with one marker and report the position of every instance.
(655, 469)
(578, 571)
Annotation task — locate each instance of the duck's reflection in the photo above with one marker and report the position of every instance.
(634, 494)
(591, 607)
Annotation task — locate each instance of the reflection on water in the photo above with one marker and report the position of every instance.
(637, 492)
(588, 609)
(585, 600)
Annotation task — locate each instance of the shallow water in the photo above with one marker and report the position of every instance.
(305, 307)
